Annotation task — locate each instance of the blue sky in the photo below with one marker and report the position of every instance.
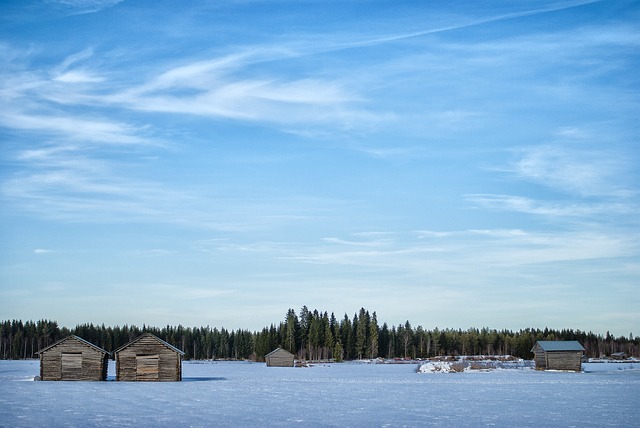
(216, 163)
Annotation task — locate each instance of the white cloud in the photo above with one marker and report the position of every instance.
(75, 127)
(362, 243)
(575, 170)
(78, 76)
(73, 59)
(229, 87)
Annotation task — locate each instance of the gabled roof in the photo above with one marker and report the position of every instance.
(560, 345)
(74, 337)
(143, 335)
(279, 350)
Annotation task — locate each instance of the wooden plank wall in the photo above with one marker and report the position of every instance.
(71, 363)
(564, 360)
(539, 357)
(169, 362)
(147, 367)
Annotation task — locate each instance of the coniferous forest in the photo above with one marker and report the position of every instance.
(313, 335)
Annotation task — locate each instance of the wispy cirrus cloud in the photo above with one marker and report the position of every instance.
(444, 258)
(248, 84)
(78, 7)
(574, 181)
(78, 76)
(68, 71)
(551, 209)
(76, 127)
(230, 87)
(577, 171)
(245, 85)
(70, 169)
(466, 23)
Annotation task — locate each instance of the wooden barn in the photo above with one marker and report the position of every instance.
(558, 355)
(279, 358)
(73, 358)
(148, 358)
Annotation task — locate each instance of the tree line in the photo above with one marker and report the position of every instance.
(313, 335)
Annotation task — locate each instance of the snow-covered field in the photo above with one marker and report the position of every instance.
(341, 395)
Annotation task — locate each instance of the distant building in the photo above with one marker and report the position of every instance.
(618, 356)
(73, 358)
(558, 355)
(148, 358)
(279, 358)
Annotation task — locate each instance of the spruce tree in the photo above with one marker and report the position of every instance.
(338, 351)
(305, 316)
(328, 338)
(291, 332)
(373, 337)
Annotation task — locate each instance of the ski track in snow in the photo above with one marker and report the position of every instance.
(237, 394)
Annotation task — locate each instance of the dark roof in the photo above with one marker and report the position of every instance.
(89, 344)
(560, 345)
(162, 342)
(278, 350)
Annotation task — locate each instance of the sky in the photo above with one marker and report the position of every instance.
(455, 164)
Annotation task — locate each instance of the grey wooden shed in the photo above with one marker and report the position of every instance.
(279, 358)
(558, 355)
(73, 358)
(148, 358)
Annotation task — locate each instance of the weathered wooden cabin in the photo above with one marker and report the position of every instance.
(73, 358)
(558, 355)
(148, 358)
(279, 358)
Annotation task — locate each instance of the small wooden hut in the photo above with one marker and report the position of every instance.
(558, 355)
(73, 358)
(148, 358)
(279, 358)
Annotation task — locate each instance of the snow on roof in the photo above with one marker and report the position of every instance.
(560, 345)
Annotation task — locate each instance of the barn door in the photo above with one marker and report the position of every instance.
(147, 367)
(71, 366)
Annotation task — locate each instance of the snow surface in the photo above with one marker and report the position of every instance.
(605, 366)
(342, 395)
